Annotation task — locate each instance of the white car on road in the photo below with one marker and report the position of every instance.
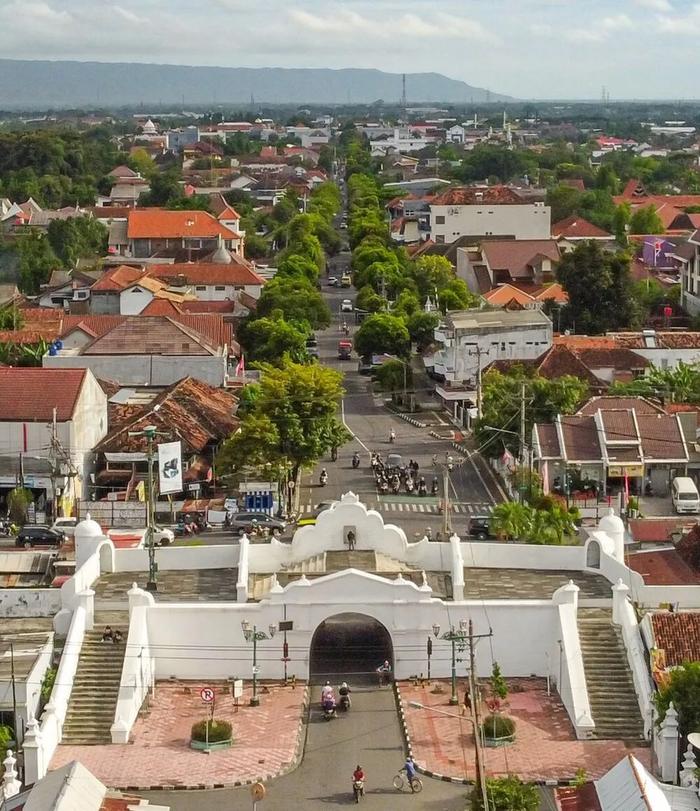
(346, 306)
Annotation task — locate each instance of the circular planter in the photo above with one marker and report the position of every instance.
(495, 743)
(202, 746)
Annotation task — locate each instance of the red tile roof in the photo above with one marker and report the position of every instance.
(117, 279)
(678, 635)
(206, 273)
(223, 307)
(663, 568)
(161, 306)
(470, 196)
(576, 227)
(158, 223)
(605, 403)
(30, 395)
(518, 256)
(657, 530)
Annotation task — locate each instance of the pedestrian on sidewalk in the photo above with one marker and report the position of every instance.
(467, 702)
(351, 541)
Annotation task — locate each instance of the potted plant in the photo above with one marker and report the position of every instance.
(211, 734)
(497, 730)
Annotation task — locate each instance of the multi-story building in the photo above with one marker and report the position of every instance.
(488, 211)
(690, 277)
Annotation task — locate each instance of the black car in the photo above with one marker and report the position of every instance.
(244, 522)
(30, 536)
(480, 527)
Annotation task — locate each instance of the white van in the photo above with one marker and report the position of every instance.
(684, 493)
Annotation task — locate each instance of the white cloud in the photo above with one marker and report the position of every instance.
(128, 15)
(686, 24)
(616, 22)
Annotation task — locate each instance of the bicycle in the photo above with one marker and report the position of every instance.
(416, 784)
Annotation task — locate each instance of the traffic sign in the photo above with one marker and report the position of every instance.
(206, 694)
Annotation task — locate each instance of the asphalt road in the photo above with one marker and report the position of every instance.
(368, 734)
(472, 488)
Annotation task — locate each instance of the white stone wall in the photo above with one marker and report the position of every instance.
(526, 221)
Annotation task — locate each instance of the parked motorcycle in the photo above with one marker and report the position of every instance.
(356, 460)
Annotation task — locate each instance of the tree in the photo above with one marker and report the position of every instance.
(77, 238)
(501, 404)
(645, 220)
(164, 189)
(382, 333)
(511, 520)
(393, 376)
(679, 385)
(683, 689)
(421, 327)
(599, 287)
(36, 261)
(292, 419)
(297, 299)
(507, 794)
(11, 318)
(296, 265)
(269, 340)
(140, 161)
(370, 301)
(18, 501)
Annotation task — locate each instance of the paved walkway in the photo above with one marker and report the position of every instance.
(185, 585)
(530, 584)
(545, 747)
(265, 741)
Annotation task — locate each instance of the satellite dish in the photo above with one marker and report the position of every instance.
(694, 739)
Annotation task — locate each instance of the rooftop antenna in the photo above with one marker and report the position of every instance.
(403, 98)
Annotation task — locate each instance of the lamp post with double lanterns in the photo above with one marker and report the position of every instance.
(454, 636)
(251, 634)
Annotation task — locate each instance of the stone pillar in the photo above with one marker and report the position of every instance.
(139, 597)
(567, 595)
(33, 745)
(457, 568)
(86, 599)
(10, 784)
(620, 592)
(667, 742)
(687, 774)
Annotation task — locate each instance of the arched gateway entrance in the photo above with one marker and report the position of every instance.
(349, 647)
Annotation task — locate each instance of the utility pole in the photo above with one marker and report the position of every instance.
(150, 433)
(446, 508)
(522, 441)
(478, 351)
(473, 691)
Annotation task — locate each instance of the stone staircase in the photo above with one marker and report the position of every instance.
(609, 681)
(93, 699)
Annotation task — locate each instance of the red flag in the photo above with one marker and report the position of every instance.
(240, 366)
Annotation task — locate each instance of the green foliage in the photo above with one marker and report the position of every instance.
(77, 238)
(18, 354)
(11, 318)
(683, 689)
(499, 686)
(292, 420)
(18, 501)
(370, 301)
(47, 683)
(393, 375)
(496, 162)
(7, 734)
(498, 726)
(271, 340)
(645, 220)
(214, 731)
(165, 189)
(297, 299)
(421, 327)
(36, 261)
(295, 264)
(382, 333)
(517, 521)
(507, 794)
(599, 286)
(544, 399)
(140, 161)
(679, 385)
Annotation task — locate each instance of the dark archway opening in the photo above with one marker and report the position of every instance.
(349, 647)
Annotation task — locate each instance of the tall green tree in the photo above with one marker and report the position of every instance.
(77, 238)
(683, 689)
(599, 287)
(645, 220)
(382, 333)
(297, 299)
(271, 340)
(36, 261)
(507, 794)
(679, 385)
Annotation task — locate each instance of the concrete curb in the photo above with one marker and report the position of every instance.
(406, 418)
(286, 768)
(462, 781)
(454, 444)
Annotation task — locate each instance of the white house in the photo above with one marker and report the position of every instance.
(471, 339)
(491, 210)
(54, 418)
(211, 281)
(690, 278)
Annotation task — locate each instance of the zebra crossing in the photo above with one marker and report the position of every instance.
(459, 508)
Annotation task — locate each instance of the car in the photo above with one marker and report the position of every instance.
(36, 535)
(346, 280)
(333, 281)
(65, 525)
(346, 306)
(480, 527)
(344, 226)
(243, 522)
(312, 342)
(162, 536)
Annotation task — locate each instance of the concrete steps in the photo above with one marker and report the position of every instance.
(609, 681)
(93, 699)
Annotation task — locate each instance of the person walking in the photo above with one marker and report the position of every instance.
(467, 702)
(351, 541)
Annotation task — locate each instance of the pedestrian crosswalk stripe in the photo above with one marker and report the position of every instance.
(390, 506)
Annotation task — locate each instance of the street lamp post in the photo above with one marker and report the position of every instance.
(525, 454)
(447, 467)
(252, 634)
(150, 433)
(454, 636)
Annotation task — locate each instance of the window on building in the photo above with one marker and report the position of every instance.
(439, 220)
(200, 287)
(440, 239)
(220, 287)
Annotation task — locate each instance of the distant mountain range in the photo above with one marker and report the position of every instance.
(26, 84)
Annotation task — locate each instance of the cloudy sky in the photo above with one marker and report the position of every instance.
(524, 48)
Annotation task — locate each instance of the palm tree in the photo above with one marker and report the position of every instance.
(511, 520)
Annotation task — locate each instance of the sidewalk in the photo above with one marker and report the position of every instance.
(267, 741)
(545, 747)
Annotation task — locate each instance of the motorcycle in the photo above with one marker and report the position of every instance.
(434, 488)
(344, 703)
(323, 479)
(422, 489)
(392, 437)
(358, 789)
(329, 710)
(410, 486)
(356, 461)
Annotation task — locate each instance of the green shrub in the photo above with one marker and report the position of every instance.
(507, 794)
(498, 726)
(7, 734)
(47, 683)
(218, 731)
